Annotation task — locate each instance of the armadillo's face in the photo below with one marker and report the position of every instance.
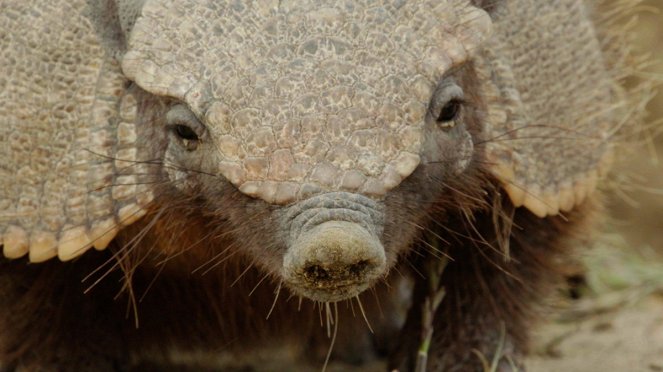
(318, 113)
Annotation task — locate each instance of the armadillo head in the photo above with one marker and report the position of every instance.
(320, 135)
(315, 112)
(302, 97)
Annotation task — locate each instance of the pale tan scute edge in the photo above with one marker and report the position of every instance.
(551, 203)
(86, 148)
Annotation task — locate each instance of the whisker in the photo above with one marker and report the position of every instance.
(248, 267)
(377, 302)
(155, 162)
(499, 267)
(154, 279)
(352, 308)
(414, 267)
(433, 250)
(158, 182)
(319, 305)
(114, 256)
(333, 340)
(260, 282)
(363, 313)
(276, 297)
(216, 256)
(184, 250)
(400, 273)
(121, 254)
(426, 229)
(329, 320)
(220, 262)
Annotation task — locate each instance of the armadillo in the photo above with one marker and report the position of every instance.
(327, 151)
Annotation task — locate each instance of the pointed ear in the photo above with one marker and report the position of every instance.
(67, 134)
(113, 21)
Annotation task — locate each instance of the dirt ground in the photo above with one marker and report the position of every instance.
(616, 325)
(628, 339)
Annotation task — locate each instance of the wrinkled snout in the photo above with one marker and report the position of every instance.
(334, 261)
(334, 257)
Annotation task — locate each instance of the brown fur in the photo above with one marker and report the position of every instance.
(189, 275)
(485, 290)
(48, 317)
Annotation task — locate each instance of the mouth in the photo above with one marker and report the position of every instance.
(330, 293)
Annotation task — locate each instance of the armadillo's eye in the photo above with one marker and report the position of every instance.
(187, 136)
(185, 127)
(450, 111)
(184, 132)
(447, 104)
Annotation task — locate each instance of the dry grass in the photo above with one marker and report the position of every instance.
(637, 207)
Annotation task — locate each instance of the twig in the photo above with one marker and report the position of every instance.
(434, 269)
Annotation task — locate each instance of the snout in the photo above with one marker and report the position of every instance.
(334, 260)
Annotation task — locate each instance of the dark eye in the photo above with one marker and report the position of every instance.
(185, 132)
(450, 111)
(185, 127)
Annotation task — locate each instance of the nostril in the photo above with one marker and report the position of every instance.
(316, 273)
(358, 268)
(339, 273)
(333, 261)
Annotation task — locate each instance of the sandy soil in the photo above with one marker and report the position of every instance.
(617, 325)
(625, 339)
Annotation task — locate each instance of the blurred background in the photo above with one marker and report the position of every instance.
(638, 205)
(612, 320)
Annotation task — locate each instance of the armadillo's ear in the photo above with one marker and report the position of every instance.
(67, 136)
(553, 104)
(113, 21)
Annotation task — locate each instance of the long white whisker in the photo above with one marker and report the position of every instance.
(248, 267)
(333, 340)
(328, 315)
(363, 313)
(276, 297)
(257, 285)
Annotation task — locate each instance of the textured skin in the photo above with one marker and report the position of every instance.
(282, 147)
(302, 97)
(299, 99)
(60, 121)
(553, 108)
